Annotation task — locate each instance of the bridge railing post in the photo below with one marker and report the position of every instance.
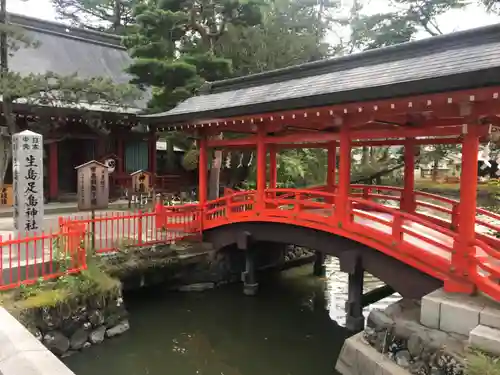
(159, 213)
(297, 204)
(397, 229)
(139, 227)
(455, 217)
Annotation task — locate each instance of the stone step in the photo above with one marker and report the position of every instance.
(485, 338)
(458, 313)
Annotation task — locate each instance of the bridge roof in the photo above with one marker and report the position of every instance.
(458, 61)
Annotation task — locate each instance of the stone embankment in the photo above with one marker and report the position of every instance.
(431, 337)
(78, 324)
(83, 320)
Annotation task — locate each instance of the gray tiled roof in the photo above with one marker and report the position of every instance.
(67, 50)
(454, 61)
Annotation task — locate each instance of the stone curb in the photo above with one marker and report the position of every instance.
(22, 354)
(359, 358)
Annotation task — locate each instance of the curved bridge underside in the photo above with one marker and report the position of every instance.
(407, 281)
(407, 249)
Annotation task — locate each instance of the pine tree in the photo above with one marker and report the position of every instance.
(105, 15)
(173, 45)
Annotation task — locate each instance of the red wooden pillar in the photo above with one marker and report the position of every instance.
(273, 167)
(261, 167)
(342, 199)
(461, 262)
(331, 166)
(408, 194)
(202, 170)
(53, 171)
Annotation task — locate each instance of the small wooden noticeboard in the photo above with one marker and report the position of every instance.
(141, 181)
(93, 186)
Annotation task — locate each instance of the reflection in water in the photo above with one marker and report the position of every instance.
(284, 330)
(336, 291)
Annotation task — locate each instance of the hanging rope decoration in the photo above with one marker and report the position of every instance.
(240, 164)
(484, 156)
(250, 161)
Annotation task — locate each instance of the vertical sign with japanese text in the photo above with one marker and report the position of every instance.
(27, 168)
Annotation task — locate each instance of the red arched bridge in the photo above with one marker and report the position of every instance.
(424, 239)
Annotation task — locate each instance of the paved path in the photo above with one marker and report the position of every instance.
(63, 208)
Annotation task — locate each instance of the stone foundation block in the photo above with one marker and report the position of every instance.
(486, 339)
(359, 358)
(457, 313)
(430, 310)
(459, 316)
(490, 316)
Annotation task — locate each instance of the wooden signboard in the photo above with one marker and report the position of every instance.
(93, 186)
(141, 181)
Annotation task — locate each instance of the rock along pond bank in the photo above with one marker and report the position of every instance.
(75, 312)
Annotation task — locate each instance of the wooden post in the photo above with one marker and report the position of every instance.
(461, 262)
(92, 229)
(354, 305)
(408, 194)
(331, 166)
(342, 199)
(53, 171)
(152, 157)
(273, 167)
(261, 167)
(202, 171)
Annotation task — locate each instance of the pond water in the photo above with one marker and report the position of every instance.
(292, 327)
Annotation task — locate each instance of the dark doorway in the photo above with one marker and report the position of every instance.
(72, 153)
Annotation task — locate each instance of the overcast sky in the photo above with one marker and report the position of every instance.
(472, 16)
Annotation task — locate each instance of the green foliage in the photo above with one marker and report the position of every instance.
(48, 293)
(104, 15)
(190, 160)
(59, 90)
(290, 34)
(480, 363)
(173, 41)
(302, 167)
(400, 25)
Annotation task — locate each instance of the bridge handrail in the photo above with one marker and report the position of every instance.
(290, 192)
(451, 210)
(405, 215)
(299, 198)
(489, 283)
(220, 204)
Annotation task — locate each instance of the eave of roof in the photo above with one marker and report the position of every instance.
(66, 31)
(462, 60)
